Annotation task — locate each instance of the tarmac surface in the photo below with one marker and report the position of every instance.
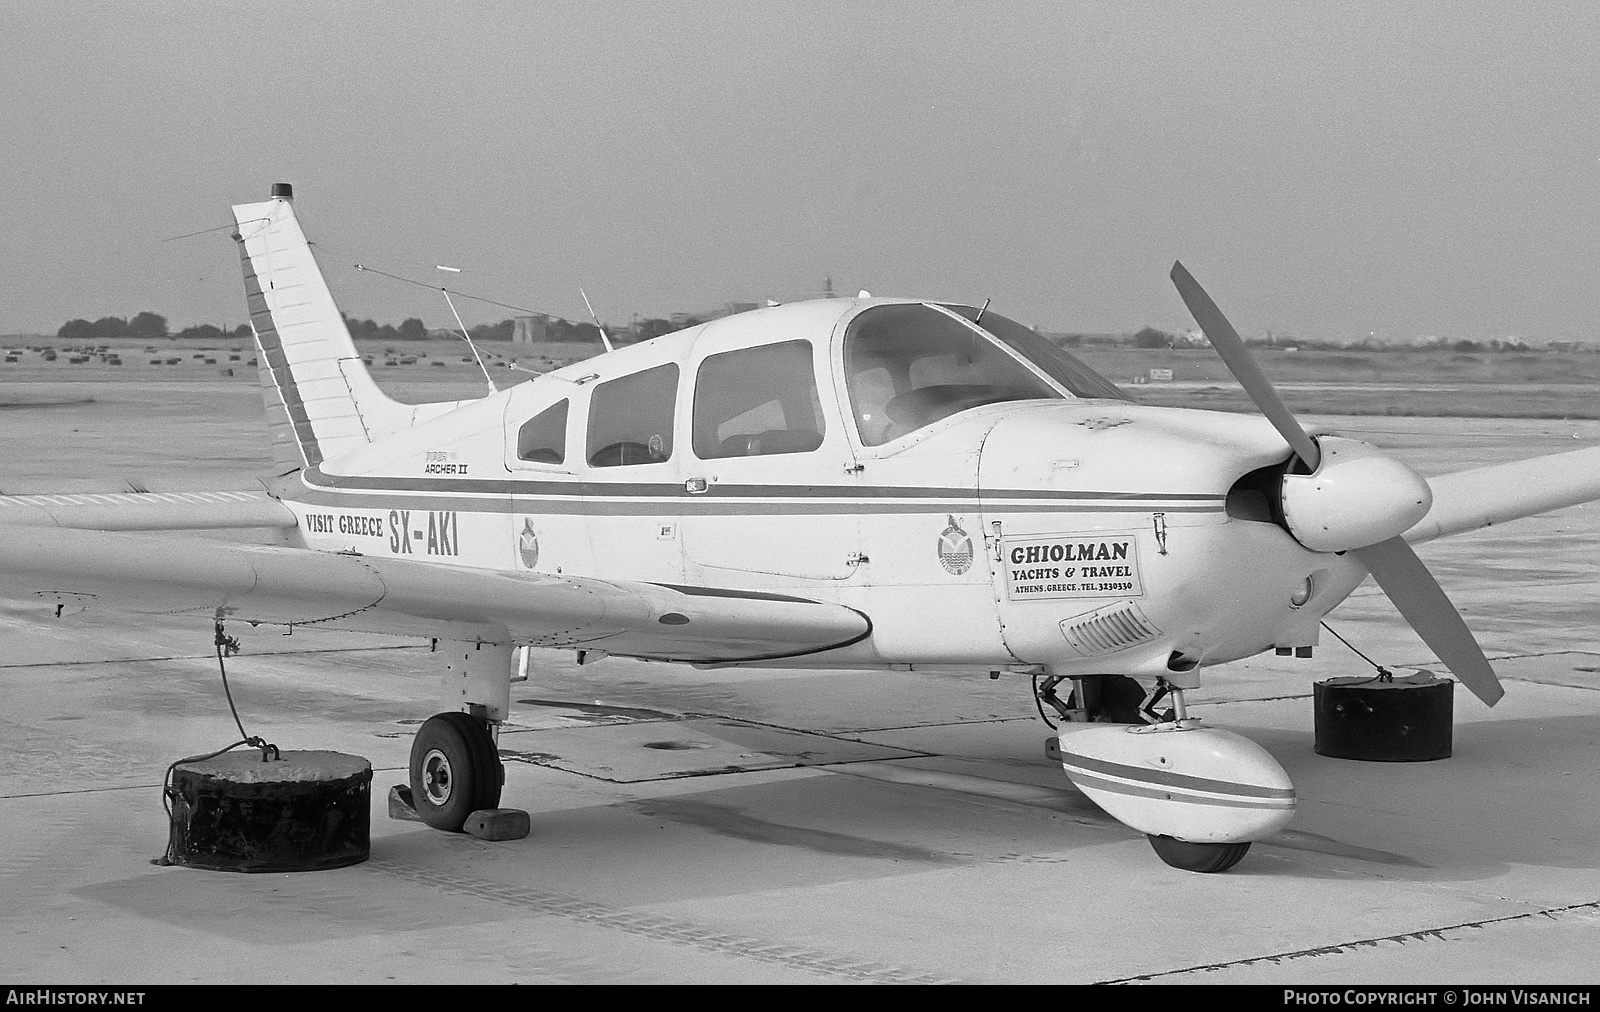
(788, 826)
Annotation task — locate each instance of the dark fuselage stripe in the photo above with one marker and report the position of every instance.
(690, 507)
(592, 498)
(1180, 781)
(1090, 781)
(317, 479)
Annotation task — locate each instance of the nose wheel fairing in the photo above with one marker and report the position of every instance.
(1201, 794)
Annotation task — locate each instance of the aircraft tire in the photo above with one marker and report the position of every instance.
(1206, 858)
(455, 770)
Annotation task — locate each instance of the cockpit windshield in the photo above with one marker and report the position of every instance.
(1062, 367)
(909, 365)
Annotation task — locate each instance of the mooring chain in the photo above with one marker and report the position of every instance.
(226, 646)
(1383, 675)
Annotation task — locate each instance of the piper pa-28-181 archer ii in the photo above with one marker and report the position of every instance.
(862, 483)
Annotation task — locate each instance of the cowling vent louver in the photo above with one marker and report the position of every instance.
(1109, 629)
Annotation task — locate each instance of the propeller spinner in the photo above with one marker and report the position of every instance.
(1350, 496)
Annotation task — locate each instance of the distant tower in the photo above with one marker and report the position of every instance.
(827, 288)
(530, 329)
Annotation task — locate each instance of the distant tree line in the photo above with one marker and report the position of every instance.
(146, 326)
(409, 330)
(493, 331)
(555, 329)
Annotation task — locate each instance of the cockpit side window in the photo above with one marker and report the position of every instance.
(1059, 364)
(543, 438)
(757, 401)
(909, 365)
(630, 418)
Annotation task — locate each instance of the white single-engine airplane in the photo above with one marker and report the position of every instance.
(841, 483)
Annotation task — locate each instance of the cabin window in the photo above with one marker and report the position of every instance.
(1061, 365)
(630, 418)
(543, 438)
(757, 401)
(907, 366)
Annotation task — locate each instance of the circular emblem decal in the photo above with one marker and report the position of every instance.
(955, 549)
(528, 544)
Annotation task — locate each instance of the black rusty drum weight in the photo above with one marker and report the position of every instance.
(305, 811)
(1408, 719)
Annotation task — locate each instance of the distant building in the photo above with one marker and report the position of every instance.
(530, 329)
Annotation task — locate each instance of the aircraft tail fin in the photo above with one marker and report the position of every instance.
(320, 399)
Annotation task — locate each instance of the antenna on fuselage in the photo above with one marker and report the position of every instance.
(603, 338)
(464, 335)
(979, 318)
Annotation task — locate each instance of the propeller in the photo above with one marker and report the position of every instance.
(1369, 486)
(1243, 365)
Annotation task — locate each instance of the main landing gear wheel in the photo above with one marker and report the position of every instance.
(455, 770)
(1200, 857)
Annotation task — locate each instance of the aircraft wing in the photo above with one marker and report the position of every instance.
(1485, 496)
(147, 511)
(167, 574)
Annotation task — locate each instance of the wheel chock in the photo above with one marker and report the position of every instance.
(498, 824)
(400, 806)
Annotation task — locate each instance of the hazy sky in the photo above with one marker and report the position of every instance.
(1325, 169)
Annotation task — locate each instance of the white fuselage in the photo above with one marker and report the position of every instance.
(1073, 535)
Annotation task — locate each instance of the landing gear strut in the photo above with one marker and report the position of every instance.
(1107, 699)
(455, 770)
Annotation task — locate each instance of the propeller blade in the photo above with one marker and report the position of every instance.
(1424, 605)
(1243, 365)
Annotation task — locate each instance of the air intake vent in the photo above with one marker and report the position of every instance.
(1112, 628)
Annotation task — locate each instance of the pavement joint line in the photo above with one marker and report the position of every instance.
(1560, 685)
(835, 735)
(659, 927)
(83, 790)
(731, 771)
(1424, 934)
(143, 787)
(916, 727)
(206, 657)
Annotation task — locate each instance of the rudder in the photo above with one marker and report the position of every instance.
(320, 399)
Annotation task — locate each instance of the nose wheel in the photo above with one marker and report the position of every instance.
(455, 770)
(1201, 857)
